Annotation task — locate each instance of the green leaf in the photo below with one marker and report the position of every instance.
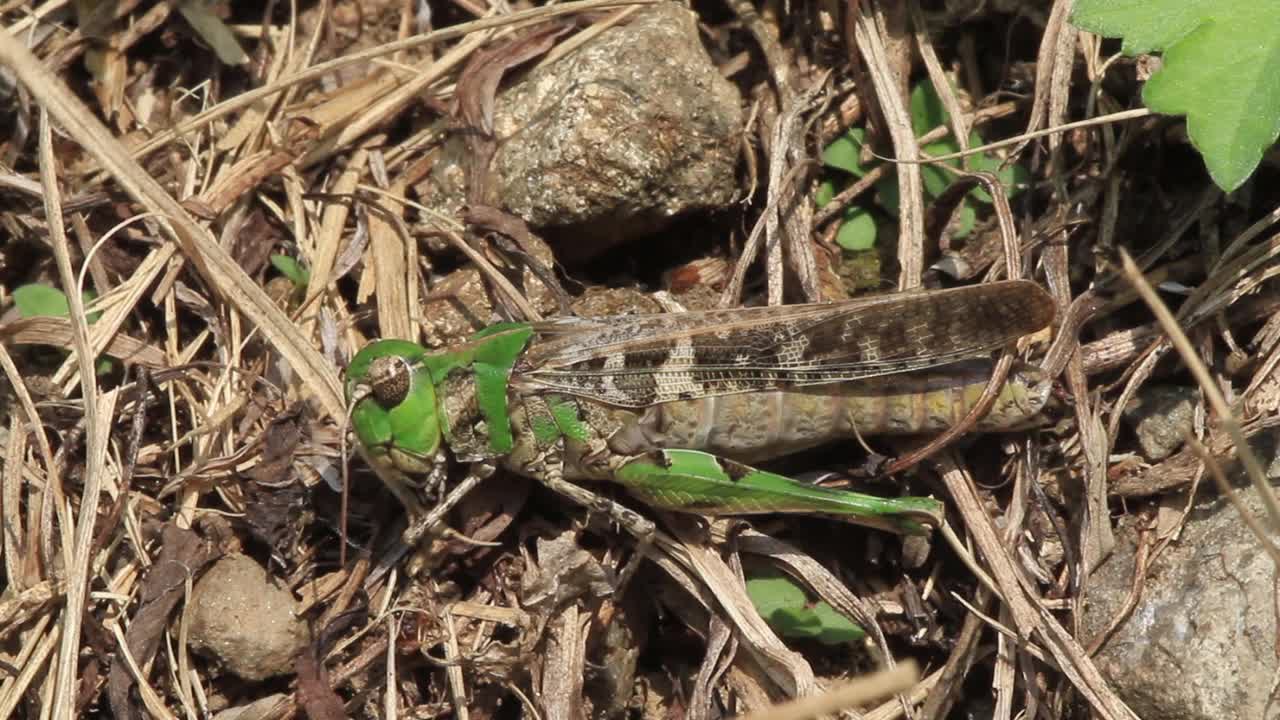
(213, 31)
(1014, 177)
(826, 191)
(1221, 69)
(887, 190)
(927, 111)
(968, 218)
(935, 178)
(786, 607)
(291, 269)
(857, 231)
(843, 153)
(43, 301)
(1146, 25)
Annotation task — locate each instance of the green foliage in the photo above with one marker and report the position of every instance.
(213, 31)
(1221, 70)
(292, 269)
(43, 301)
(857, 232)
(927, 113)
(786, 607)
(826, 191)
(843, 153)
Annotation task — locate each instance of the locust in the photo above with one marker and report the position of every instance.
(676, 407)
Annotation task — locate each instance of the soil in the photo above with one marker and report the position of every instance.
(242, 199)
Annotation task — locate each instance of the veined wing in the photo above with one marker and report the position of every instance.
(639, 360)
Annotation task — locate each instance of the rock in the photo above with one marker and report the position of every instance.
(245, 621)
(1162, 415)
(605, 302)
(616, 138)
(1201, 642)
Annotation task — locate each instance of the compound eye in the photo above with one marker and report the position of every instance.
(390, 378)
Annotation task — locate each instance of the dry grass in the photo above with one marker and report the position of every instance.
(219, 426)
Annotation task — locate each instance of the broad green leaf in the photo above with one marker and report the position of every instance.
(887, 191)
(857, 231)
(927, 111)
(826, 191)
(1146, 25)
(843, 152)
(43, 301)
(291, 269)
(1014, 178)
(786, 607)
(935, 178)
(1221, 70)
(968, 218)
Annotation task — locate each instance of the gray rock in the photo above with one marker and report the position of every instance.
(1162, 415)
(618, 137)
(1201, 642)
(244, 621)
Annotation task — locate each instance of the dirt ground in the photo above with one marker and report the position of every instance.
(243, 196)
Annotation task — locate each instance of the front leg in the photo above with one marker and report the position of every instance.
(549, 470)
(426, 524)
(697, 482)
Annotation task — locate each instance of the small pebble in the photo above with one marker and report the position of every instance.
(1161, 417)
(245, 620)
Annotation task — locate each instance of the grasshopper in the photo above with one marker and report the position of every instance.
(673, 406)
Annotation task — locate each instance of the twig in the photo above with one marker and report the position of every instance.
(1219, 404)
(854, 694)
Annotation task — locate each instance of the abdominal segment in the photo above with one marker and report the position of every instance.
(758, 426)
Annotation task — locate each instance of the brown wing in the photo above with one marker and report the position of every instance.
(638, 360)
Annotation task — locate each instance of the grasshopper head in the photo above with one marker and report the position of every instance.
(393, 405)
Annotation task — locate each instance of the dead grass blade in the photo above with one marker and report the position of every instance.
(210, 258)
(73, 612)
(1212, 393)
(98, 416)
(817, 578)
(856, 693)
(784, 666)
(1030, 616)
(1224, 487)
(395, 265)
(37, 648)
(182, 554)
(57, 331)
(52, 477)
(869, 31)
